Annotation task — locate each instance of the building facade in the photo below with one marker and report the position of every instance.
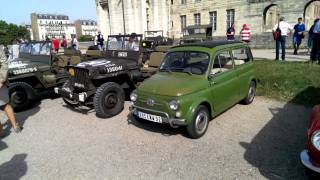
(51, 25)
(260, 15)
(86, 27)
(173, 16)
(133, 16)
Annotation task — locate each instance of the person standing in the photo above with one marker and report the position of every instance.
(310, 36)
(315, 52)
(298, 35)
(285, 29)
(74, 42)
(56, 44)
(64, 42)
(245, 33)
(230, 33)
(99, 40)
(4, 94)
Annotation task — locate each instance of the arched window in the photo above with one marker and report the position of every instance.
(270, 17)
(311, 12)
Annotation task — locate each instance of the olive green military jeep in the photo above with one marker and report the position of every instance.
(195, 83)
(38, 69)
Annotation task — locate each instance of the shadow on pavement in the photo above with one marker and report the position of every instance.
(3, 145)
(162, 129)
(15, 168)
(275, 150)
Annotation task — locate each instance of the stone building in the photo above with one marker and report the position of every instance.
(86, 27)
(260, 15)
(51, 25)
(133, 16)
(173, 16)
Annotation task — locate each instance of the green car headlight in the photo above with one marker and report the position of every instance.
(133, 97)
(174, 105)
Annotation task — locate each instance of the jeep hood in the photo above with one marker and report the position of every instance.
(106, 63)
(22, 64)
(173, 84)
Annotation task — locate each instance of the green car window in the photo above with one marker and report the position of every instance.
(240, 56)
(186, 62)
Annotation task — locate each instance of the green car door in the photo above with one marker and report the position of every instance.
(223, 82)
(244, 67)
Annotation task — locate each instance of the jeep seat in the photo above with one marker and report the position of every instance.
(94, 53)
(154, 63)
(162, 48)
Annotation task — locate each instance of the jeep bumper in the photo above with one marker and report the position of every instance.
(81, 97)
(173, 122)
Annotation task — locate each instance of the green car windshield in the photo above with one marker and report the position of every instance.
(186, 62)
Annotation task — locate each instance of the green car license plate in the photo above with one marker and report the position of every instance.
(149, 117)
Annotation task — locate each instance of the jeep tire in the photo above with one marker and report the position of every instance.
(199, 124)
(109, 100)
(21, 95)
(69, 102)
(251, 94)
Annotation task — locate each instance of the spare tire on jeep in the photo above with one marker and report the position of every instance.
(109, 100)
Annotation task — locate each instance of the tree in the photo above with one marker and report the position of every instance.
(11, 32)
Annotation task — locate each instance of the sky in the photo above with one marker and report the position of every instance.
(18, 11)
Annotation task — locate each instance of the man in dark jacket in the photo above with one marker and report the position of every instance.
(99, 41)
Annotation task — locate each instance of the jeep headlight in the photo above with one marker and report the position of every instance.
(133, 97)
(174, 105)
(315, 140)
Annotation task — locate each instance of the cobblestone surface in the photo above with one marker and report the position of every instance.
(259, 141)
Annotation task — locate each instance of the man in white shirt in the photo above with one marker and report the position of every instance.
(285, 29)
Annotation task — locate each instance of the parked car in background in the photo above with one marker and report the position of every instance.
(310, 157)
(195, 83)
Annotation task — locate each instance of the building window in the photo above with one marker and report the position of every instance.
(197, 19)
(183, 20)
(213, 20)
(183, 1)
(230, 17)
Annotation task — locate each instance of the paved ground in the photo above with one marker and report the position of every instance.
(260, 141)
(271, 54)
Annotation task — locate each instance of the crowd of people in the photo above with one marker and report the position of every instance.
(63, 43)
(281, 31)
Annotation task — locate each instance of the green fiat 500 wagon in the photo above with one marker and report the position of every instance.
(195, 83)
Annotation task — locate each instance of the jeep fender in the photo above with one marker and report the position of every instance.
(24, 78)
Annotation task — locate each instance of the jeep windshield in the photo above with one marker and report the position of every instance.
(124, 43)
(150, 35)
(186, 62)
(40, 48)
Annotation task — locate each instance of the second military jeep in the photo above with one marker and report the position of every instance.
(103, 83)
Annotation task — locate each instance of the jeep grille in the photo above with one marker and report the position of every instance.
(81, 78)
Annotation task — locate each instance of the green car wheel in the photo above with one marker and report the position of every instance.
(199, 125)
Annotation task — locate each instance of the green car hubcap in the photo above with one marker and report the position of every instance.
(201, 122)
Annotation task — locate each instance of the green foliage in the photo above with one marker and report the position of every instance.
(296, 82)
(85, 38)
(10, 32)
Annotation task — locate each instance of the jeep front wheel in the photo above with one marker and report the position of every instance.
(21, 95)
(199, 123)
(109, 100)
